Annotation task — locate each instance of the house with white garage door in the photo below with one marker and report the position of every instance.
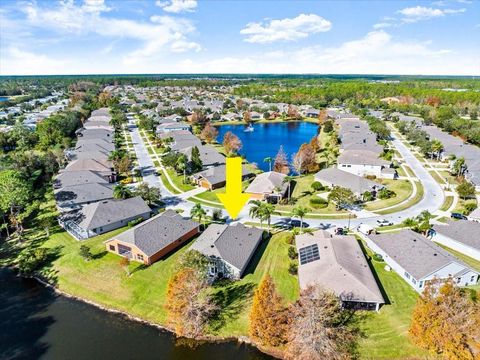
(418, 260)
(462, 236)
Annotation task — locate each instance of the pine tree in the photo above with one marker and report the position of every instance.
(268, 320)
(196, 163)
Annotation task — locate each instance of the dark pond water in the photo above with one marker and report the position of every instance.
(266, 139)
(36, 323)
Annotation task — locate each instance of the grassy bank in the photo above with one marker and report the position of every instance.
(403, 190)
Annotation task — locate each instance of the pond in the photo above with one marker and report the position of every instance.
(267, 138)
(3, 98)
(36, 323)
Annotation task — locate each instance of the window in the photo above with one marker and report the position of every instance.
(308, 254)
(112, 247)
(420, 284)
(458, 280)
(140, 257)
(414, 281)
(472, 279)
(407, 275)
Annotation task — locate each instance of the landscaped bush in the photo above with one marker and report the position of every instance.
(378, 257)
(386, 194)
(290, 239)
(317, 186)
(318, 203)
(293, 268)
(292, 253)
(135, 222)
(371, 177)
(469, 207)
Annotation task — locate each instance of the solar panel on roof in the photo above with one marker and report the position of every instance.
(308, 254)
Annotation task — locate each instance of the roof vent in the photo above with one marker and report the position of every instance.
(435, 254)
(212, 246)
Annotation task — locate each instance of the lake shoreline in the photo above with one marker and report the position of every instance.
(211, 339)
(265, 121)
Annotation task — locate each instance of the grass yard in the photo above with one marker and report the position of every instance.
(388, 228)
(212, 195)
(142, 294)
(386, 332)
(475, 264)
(167, 183)
(409, 170)
(401, 171)
(437, 177)
(303, 192)
(418, 196)
(461, 205)
(452, 180)
(447, 203)
(178, 181)
(402, 188)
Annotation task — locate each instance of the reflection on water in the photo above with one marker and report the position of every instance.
(37, 323)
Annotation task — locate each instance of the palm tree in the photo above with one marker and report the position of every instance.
(268, 160)
(437, 148)
(300, 212)
(181, 165)
(198, 212)
(256, 211)
(267, 211)
(121, 192)
(288, 179)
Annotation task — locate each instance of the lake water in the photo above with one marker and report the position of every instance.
(36, 323)
(266, 139)
(3, 98)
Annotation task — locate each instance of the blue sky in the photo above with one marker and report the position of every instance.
(189, 36)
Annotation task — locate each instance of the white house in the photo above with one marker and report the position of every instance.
(418, 260)
(362, 163)
(462, 236)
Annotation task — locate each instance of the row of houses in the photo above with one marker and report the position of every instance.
(84, 188)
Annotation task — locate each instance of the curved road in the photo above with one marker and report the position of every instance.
(432, 200)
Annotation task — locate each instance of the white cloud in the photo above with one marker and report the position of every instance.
(16, 61)
(375, 53)
(417, 13)
(155, 38)
(286, 29)
(382, 25)
(177, 6)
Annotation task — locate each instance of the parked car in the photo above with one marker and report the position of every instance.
(341, 231)
(384, 222)
(297, 223)
(458, 216)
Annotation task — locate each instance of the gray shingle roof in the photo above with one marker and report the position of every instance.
(361, 157)
(267, 182)
(234, 244)
(70, 178)
(208, 155)
(158, 232)
(463, 231)
(107, 212)
(89, 164)
(342, 267)
(347, 180)
(216, 174)
(419, 256)
(83, 193)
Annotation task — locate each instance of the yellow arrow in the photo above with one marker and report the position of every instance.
(233, 199)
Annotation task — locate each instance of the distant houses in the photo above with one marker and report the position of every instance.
(337, 263)
(153, 239)
(229, 248)
(418, 260)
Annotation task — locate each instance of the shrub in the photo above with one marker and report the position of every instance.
(371, 177)
(378, 257)
(290, 239)
(33, 259)
(85, 253)
(293, 268)
(386, 194)
(135, 222)
(317, 186)
(469, 207)
(292, 253)
(216, 214)
(318, 203)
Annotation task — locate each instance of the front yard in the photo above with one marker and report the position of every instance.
(402, 188)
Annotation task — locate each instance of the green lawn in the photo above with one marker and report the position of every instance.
(401, 171)
(437, 177)
(381, 229)
(418, 196)
(302, 191)
(177, 179)
(409, 170)
(402, 188)
(475, 264)
(167, 183)
(385, 332)
(461, 205)
(447, 203)
(212, 195)
(452, 180)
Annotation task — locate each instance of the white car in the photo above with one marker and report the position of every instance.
(384, 222)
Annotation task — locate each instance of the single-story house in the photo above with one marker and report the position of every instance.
(337, 263)
(418, 260)
(153, 239)
(313, 113)
(208, 154)
(71, 178)
(104, 216)
(181, 139)
(362, 163)
(229, 248)
(255, 115)
(173, 126)
(73, 197)
(269, 186)
(231, 116)
(358, 185)
(462, 236)
(214, 177)
(103, 168)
